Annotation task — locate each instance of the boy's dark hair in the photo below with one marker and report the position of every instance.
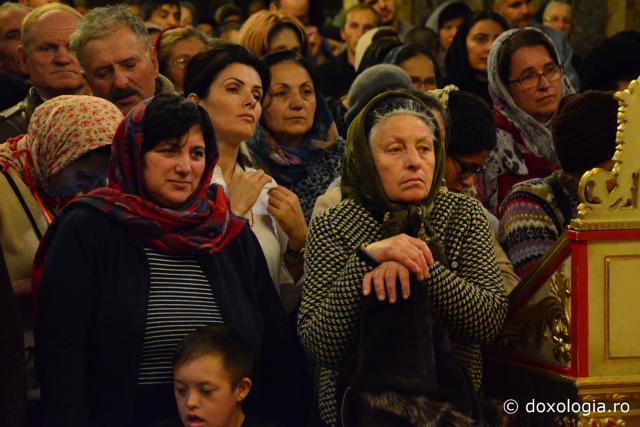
(471, 125)
(169, 117)
(217, 340)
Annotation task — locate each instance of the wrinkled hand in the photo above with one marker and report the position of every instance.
(244, 189)
(412, 253)
(285, 208)
(384, 278)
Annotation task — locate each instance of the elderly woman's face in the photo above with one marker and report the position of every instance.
(87, 172)
(171, 170)
(402, 148)
(179, 56)
(290, 105)
(535, 82)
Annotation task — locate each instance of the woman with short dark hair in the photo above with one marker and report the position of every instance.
(129, 270)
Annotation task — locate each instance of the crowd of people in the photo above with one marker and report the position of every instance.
(267, 218)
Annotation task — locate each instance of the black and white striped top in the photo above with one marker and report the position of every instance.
(180, 301)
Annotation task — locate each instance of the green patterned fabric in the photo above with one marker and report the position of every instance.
(360, 180)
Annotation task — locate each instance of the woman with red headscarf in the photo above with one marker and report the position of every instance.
(129, 270)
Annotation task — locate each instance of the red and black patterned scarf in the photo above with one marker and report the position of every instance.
(202, 225)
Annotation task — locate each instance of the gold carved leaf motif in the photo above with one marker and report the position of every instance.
(609, 200)
(547, 319)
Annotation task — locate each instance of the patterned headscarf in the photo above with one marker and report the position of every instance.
(514, 127)
(535, 135)
(200, 225)
(360, 180)
(60, 131)
(288, 165)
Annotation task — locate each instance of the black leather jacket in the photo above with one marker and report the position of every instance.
(14, 121)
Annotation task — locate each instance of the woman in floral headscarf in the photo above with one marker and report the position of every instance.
(65, 151)
(396, 224)
(526, 83)
(129, 270)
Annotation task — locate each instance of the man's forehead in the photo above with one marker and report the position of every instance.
(361, 15)
(117, 46)
(56, 22)
(12, 16)
(513, 3)
(168, 7)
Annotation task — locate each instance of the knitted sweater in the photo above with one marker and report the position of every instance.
(532, 219)
(469, 297)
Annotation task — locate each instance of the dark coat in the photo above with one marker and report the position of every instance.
(12, 374)
(92, 306)
(14, 120)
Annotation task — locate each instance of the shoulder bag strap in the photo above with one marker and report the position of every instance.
(23, 203)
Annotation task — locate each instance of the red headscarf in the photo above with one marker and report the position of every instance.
(202, 225)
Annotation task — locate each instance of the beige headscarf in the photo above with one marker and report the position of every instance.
(60, 131)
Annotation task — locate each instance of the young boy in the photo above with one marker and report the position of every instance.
(211, 378)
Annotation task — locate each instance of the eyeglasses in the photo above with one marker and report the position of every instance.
(180, 62)
(531, 79)
(558, 20)
(425, 84)
(467, 170)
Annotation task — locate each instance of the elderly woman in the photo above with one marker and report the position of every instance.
(128, 271)
(466, 59)
(65, 151)
(267, 31)
(228, 82)
(297, 142)
(397, 224)
(526, 83)
(176, 47)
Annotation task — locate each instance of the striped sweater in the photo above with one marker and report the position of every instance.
(531, 219)
(469, 297)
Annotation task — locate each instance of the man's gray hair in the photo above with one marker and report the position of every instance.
(102, 21)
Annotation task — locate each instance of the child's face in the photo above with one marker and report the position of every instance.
(205, 396)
